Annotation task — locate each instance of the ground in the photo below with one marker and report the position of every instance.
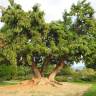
(27, 89)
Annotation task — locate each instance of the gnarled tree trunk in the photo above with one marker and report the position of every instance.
(36, 71)
(38, 79)
(58, 67)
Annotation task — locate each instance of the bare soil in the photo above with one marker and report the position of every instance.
(26, 88)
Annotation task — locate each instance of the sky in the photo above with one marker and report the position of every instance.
(53, 9)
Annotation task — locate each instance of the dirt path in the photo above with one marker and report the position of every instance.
(67, 89)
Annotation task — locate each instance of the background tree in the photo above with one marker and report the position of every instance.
(84, 26)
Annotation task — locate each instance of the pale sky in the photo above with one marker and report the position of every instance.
(53, 8)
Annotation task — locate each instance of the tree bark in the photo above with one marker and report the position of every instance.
(58, 67)
(36, 70)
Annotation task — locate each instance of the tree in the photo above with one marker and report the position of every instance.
(31, 41)
(25, 42)
(75, 41)
(84, 25)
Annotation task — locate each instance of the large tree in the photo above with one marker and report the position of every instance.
(29, 40)
(25, 37)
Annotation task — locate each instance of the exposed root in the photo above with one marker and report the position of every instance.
(41, 81)
(57, 82)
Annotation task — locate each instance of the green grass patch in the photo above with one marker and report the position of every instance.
(11, 82)
(91, 91)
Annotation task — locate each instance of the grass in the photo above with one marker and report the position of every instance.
(91, 91)
(12, 82)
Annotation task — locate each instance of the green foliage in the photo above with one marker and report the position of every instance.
(68, 71)
(48, 70)
(91, 91)
(11, 2)
(7, 72)
(6, 83)
(24, 72)
(62, 78)
(84, 26)
(88, 74)
(71, 75)
(68, 74)
(23, 39)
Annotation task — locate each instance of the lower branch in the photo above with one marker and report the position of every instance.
(58, 67)
(36, 71)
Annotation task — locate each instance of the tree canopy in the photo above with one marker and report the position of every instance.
(27, 39)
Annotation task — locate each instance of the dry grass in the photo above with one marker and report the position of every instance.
(27, 89)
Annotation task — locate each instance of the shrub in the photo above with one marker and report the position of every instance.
(67, 71)
(62, 78)
(87, 74)
(68, 74)
(24, 72)
(7, 72)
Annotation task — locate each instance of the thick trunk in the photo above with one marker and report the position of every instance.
(36, 71)
(45, 64)
(58, 67)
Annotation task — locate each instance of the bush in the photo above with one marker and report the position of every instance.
(62, 78)
(24, 72)
(67, 71)
(68, 74)
(7, 72)
(87, 74)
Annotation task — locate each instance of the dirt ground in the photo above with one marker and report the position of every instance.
(27, 89)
